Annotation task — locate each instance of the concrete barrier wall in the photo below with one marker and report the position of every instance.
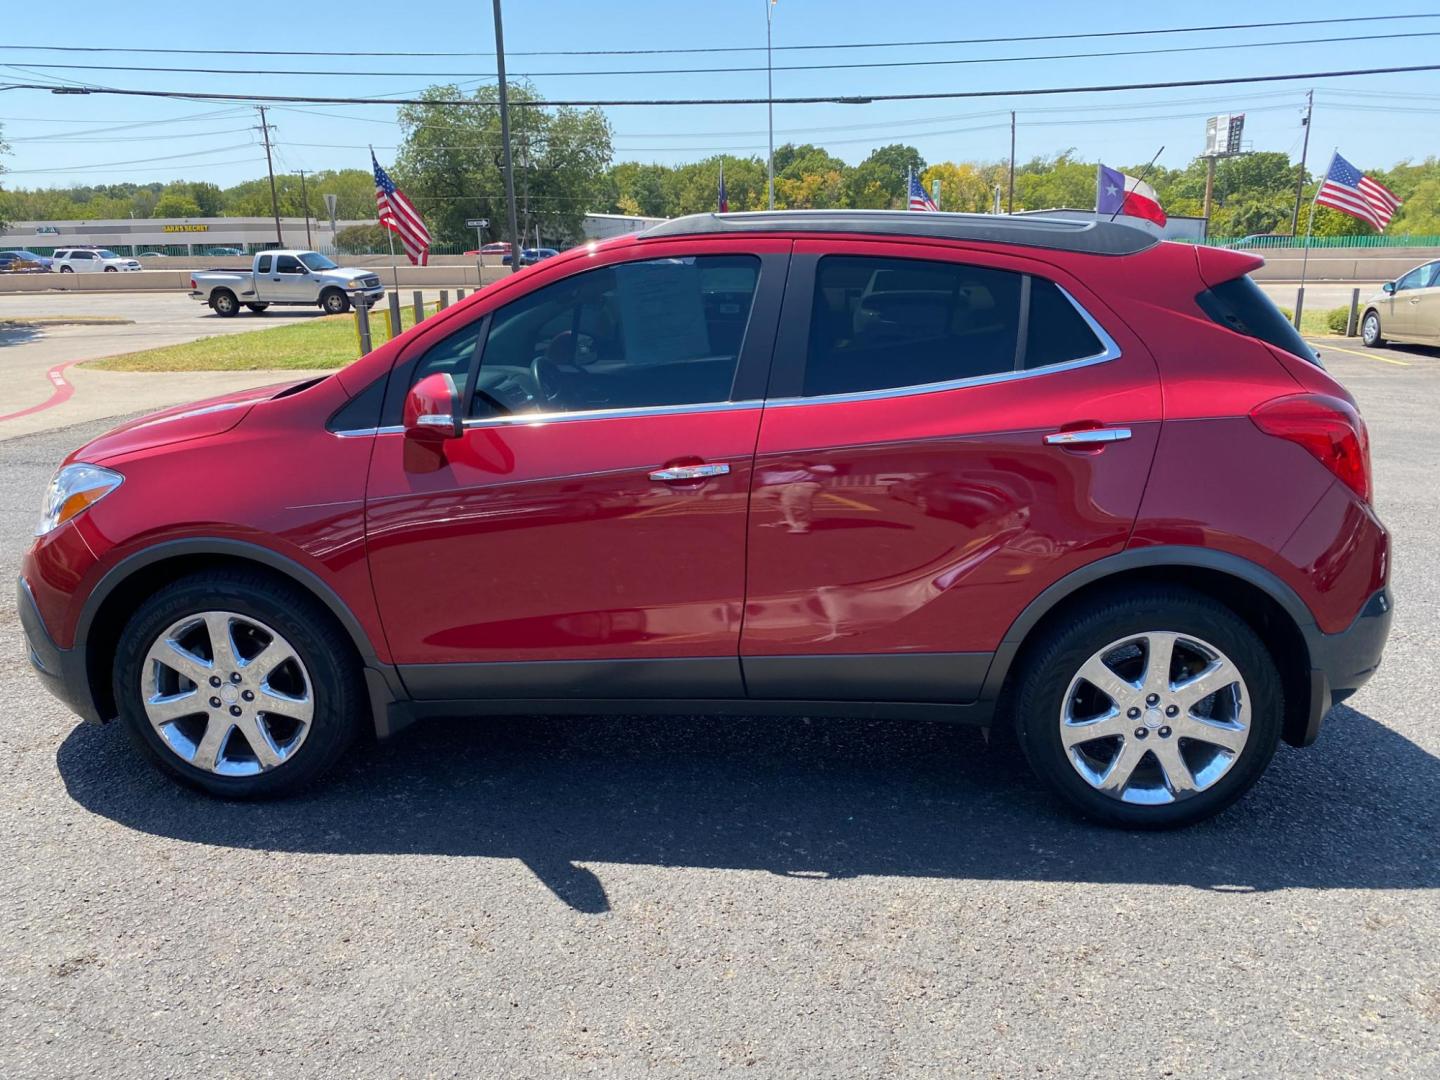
(411, 277)
(1367, 266)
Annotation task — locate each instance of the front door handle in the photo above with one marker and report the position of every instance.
(689, 472)
(1087, 436)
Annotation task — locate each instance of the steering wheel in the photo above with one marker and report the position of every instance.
(559, 371)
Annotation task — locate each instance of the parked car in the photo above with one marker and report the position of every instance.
(153, 255)
(284, 277)
(496, 248)
(529, 256)
(23, 262)
(1406, 310)
(1052, 476)
(225, 251)
(91, 260)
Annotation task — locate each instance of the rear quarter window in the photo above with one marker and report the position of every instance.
(1242, 306)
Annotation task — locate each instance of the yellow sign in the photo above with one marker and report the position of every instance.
(184, 228)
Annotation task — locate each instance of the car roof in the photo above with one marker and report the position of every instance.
(1056, 234)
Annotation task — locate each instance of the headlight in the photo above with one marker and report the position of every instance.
(354, 283)
(73, 489)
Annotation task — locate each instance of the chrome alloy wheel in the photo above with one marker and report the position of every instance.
(227, 694)
(1155, 718)
(1370, 331)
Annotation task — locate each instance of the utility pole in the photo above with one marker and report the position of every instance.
(769, 108)
(305, 202)
(1010, 209)
(270, 168)
(1304, 153)
(505, 139)
(1209, 188)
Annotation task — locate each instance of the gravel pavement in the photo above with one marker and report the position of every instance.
(691, 897)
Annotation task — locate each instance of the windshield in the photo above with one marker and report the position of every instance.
(315, 261)
(105, 253)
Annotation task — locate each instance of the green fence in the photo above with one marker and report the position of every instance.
(1378, 240)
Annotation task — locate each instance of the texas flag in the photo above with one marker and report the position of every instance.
(1118, 193)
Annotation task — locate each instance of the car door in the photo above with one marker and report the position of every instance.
(288, 282)
(1424, 305)
(586, 535)
(1403, 302)
(947, 434)
(84, 262)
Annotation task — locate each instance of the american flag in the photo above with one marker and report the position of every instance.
(399, 215)
(919, 200)
(1351, 192)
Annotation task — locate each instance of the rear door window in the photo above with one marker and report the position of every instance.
(1242, 306)
(884, 323)
(263, 266)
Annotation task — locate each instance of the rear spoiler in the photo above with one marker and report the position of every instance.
(1217, 265)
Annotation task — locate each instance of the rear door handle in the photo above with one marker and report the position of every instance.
(1087, 436)
(690, 472)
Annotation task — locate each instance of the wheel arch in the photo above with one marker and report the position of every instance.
(122, 587)
(1268, 604)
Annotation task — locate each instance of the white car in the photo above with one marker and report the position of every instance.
(91, 261)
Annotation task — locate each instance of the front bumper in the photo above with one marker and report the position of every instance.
(1342, 663)
(62, 671)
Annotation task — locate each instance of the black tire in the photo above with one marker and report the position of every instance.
(334, 302)
(334, 672)
(67, 269)
(224, 304)
(1370, 335)
(1050, 664)
(258, 309)
(111, 270)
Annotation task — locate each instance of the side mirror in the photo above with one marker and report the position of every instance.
(1389, 287)
(432, 409)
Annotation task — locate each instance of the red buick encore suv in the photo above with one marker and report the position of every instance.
(1051, 476)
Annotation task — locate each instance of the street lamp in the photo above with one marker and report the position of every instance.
(770, 107)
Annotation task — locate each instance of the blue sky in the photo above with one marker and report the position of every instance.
(1375, 120)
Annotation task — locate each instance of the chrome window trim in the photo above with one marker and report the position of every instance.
(1110, 351)
(524, 419)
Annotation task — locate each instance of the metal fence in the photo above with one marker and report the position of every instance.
(1379, 240)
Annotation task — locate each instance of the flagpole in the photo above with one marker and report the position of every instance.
(1305, 250)
(390, 236)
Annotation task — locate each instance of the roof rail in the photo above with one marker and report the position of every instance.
(1056, 234)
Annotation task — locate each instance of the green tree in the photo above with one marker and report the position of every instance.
(878, 182)
(964, 188)
(450, 163)
(1051, 183)
(175, 205)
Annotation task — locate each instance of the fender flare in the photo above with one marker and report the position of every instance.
(1144, 558)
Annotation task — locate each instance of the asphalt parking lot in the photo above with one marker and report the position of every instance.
(685, 896)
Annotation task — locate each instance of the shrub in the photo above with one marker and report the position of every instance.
(1338, 319)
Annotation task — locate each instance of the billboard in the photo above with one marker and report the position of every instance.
(1223, 135)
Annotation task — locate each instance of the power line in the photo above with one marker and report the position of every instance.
(126, 169)
(730, 48)
(884, 125)
(954, 62)
(76, 137)
(134, 161)
(819, 99)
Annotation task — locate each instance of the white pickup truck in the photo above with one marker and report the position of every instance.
(285, 277)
